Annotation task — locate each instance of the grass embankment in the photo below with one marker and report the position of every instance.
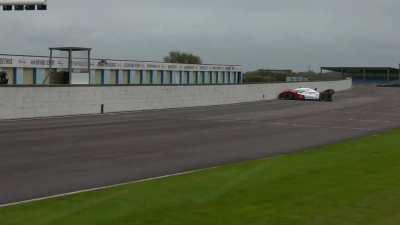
(356, 182)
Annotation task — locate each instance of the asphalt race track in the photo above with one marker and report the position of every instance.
(43, 157)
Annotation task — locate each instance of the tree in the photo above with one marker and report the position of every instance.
(182, 57)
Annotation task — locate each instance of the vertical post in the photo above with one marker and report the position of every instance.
(102, 77)
(387, 74)
(399, 71)
(50, 68)
(70, 65)
(364, 74)
(51, 59)
(89, 61)
(34, 76)
(89, 68)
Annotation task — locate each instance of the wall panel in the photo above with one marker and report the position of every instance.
(40, 75)
(106, 76)
(10, 74)
(192, 77)
(125, 77)
(28, 77)
(167, 77)
(136, 76)
(226, 77)
(175, 77)
(157, 77)
(214, 77)
(147, 77)
(184, 76)
(98, 77)
(113, 77)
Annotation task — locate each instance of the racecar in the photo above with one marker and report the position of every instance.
(305, 94)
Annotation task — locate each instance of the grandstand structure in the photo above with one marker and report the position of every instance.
(367, 73)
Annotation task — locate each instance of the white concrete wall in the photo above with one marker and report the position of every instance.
(27, 102)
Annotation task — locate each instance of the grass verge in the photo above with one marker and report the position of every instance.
(355, 182)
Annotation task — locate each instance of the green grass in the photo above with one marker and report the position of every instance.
(355, 182)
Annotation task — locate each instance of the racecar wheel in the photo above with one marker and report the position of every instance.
(327, 96)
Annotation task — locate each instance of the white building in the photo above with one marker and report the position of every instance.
(34, 70)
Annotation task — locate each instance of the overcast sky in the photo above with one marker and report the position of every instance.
(255, 33)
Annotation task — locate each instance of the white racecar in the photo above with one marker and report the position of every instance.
(307, 94)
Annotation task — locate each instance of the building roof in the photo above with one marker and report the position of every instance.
(28, 61)
(74, 49)
(22, 2)
(119, 60)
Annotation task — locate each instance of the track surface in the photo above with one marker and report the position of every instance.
(45, 157)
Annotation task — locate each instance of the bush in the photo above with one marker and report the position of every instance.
(182, 57)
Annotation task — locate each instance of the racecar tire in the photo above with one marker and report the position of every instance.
(327, 96)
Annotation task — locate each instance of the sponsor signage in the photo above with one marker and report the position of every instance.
(109, 64)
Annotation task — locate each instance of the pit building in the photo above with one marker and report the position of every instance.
(34, 70)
